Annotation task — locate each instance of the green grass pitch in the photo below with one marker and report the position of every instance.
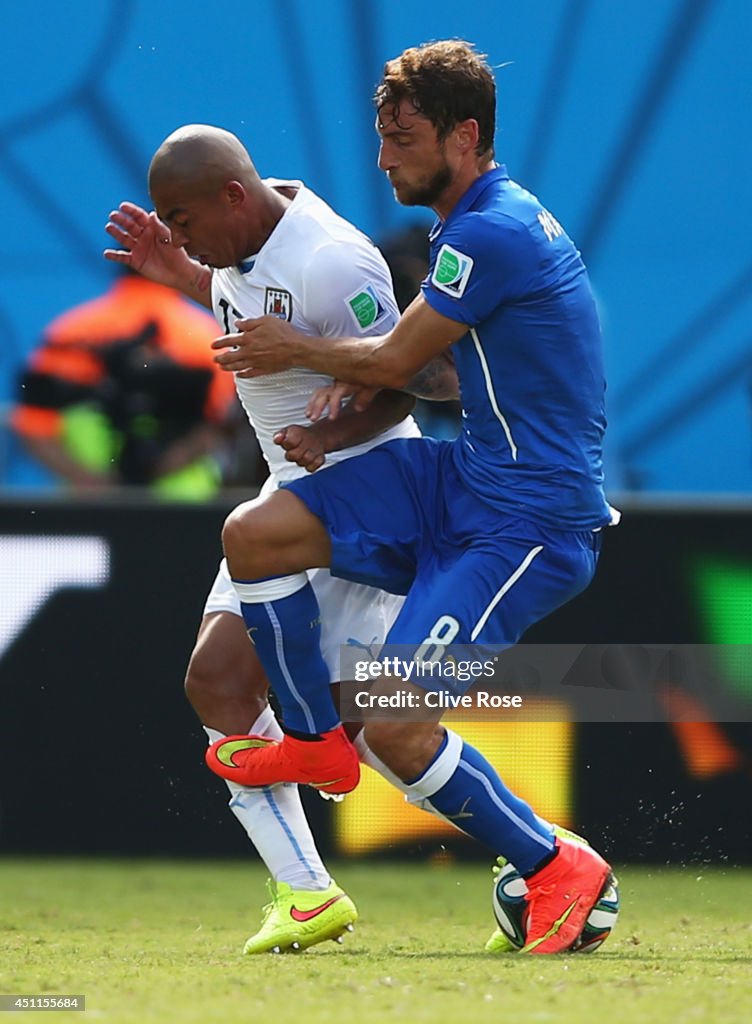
(161, 941)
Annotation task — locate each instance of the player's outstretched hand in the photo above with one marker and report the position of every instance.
(147, 246)
(265, 345)
(332, 396)
(301, 446)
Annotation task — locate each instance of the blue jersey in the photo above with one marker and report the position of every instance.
(530, 365)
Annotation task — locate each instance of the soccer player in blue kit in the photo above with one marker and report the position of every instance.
(486, 534)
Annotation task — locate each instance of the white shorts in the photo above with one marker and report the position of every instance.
(351, 613)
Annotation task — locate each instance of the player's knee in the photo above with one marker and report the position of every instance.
(254, 539)
(243, 532)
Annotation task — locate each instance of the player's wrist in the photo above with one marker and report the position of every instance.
(301, 351)
(195, 278)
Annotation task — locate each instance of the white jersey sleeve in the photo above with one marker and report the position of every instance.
(348, 293)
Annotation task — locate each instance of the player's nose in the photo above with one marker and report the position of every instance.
(386, 161)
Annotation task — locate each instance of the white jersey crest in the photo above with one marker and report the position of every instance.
(324, 277)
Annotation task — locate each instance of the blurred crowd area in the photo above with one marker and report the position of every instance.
(121, 392)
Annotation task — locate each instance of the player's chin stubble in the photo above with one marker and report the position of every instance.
(427, 192)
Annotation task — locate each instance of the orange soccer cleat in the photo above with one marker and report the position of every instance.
(561, 895)
(329, 763)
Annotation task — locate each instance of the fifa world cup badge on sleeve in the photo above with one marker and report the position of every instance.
(451, 271)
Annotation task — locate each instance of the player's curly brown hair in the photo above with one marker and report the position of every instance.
(448, 82)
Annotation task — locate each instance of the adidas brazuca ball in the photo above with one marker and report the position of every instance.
(510, 911)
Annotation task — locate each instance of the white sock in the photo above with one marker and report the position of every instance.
(439, 772)
(276, 823)
(436, 776)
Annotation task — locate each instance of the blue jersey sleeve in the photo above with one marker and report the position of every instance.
(481, 262)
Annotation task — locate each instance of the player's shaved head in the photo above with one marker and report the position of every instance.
(201, 158)
(208, 193)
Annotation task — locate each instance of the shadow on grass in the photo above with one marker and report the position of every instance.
(510, 959)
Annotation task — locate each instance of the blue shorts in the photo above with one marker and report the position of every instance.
(401, 518)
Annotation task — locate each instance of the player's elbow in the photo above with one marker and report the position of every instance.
(397, 381)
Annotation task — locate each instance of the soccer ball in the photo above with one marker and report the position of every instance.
(510, 911)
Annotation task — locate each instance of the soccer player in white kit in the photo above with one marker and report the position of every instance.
(245, 248)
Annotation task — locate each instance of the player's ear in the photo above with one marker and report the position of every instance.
(466, 134)
(235, 193)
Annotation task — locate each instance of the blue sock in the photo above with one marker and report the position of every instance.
(475, 799)
(287, 635)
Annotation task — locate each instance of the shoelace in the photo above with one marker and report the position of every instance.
(269, 907)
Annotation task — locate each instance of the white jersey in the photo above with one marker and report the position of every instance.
(327, 279)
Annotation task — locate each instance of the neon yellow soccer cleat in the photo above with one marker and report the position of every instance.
(297, 918)
(499, 943)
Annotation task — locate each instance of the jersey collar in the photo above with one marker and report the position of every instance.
(466, 200)
(246, 266)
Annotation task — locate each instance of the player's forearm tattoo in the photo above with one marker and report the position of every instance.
(437, 381)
